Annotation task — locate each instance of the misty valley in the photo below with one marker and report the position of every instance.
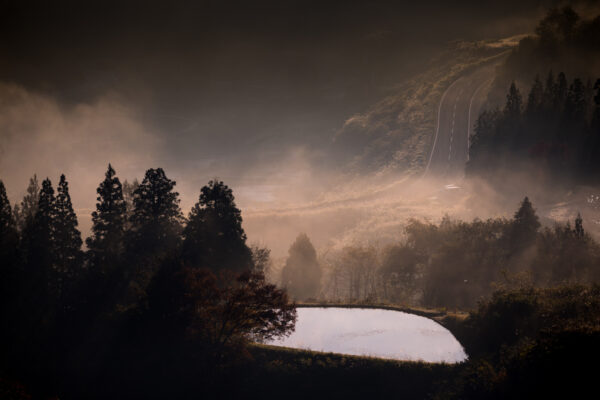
(299, 200)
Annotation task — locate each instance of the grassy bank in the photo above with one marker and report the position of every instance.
(302, 373)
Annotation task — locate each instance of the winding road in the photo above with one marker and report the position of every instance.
(457, 113)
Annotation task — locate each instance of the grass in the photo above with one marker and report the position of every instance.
(302, 373)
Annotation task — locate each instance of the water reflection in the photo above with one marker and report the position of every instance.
(373, 332)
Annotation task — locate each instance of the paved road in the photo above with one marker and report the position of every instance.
(457, 113)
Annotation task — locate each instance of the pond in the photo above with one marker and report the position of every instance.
(373, 332)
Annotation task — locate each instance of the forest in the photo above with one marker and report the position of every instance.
(453, 264)
(149, 292)
(157, 303)
(552, 133)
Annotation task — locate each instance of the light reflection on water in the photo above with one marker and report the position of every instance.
(373, 332)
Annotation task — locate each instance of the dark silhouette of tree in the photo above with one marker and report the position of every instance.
(579, 231)
(156, 225)
(560, 96)
(550, 89)
(9, 242)
(558, 134)
(535, 98)
(558, 26)
(156, 219)
(261, 259)
(38, 235)
(514, 102)
(214, 237)
(39, 283)
(26, 212)
(8, 231)
(400, 272)
(230, 312)
(525, 225)
(68, 256)
(301, 274)
(219, 314)
(105, 246)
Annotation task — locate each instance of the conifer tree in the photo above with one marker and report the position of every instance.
(560, 95)
(301, 274)
(7, 223)
(514, 102)
(549, 91)
(536, 97)
(214, 237)
(525, 225)
(156, 219)
(26, 212)
(108, 223)
(67, 238)
(9, 240)
(39, 246)
(579, 231)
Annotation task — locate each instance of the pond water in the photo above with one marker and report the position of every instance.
(373, 332)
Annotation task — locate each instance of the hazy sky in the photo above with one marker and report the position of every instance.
(250, 91)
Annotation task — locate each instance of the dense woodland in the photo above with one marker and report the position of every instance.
(553, 133)
(452, 264)
(154, 293)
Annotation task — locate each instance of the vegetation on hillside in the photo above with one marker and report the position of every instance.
(554, 133)
(455, 263)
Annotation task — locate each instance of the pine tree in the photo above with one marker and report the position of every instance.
(514, 102)
(108, 223)
(549, 92)
(7, 223)
(579, 231)
(524, 226)
(9, 241)
(575, 105)
(26, 212)
(560, 95)
(67, 238)
(301, 274)
(214, 237)
(535, 98)
(39, 246)
(156, 219)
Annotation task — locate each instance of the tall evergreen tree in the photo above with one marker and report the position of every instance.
(301, 274)
(38, 242)
(67, 238)
(579, 231)
(26, 212)
(514, 102)
(156, 219)
(7, 222)
(108, 223)
(524, 226)
(535, 98)
(9, 241)
(214, 237)
(550, 89)
(560, 95)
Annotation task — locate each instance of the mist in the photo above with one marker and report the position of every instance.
(262, 103)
